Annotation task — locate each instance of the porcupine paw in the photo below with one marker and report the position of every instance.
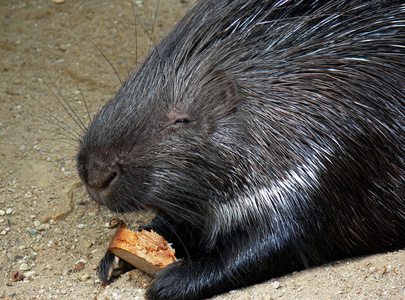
(110, 266)
(180, 280)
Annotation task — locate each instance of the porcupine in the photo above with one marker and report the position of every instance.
(266, 136)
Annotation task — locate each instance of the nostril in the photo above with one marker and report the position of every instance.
(102, 179)
(113, 175)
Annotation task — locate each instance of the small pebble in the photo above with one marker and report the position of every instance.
(276, 284)
(82, 260)
(2, 212)
(29, 274)
(36, 248)
(42, 227)
(80, 266)
(10, 294)
(85, 277)
(33, 232)
(24, 267)
(60, 292)
(9, 211)
(112, 223)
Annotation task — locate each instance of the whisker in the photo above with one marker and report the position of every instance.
(141, 209)
(71, 133)
(65, 105)
(149, 35)
(81, 94)
(136, 32)
(66, 141)
(152, 37)
(174, 231)
(105, 57)
(122, 50)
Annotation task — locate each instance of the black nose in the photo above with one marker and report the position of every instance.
(98, 174)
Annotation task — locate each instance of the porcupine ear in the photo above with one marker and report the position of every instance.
(223, 90)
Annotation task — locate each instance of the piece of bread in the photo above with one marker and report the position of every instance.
(145, 250)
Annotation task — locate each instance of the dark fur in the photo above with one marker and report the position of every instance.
(268, 136)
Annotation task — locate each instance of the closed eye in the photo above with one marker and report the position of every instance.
(183, 121)
(179, 123)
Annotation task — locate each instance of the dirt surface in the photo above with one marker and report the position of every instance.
(49, 232)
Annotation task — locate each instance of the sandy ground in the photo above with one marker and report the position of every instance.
(48, 231)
